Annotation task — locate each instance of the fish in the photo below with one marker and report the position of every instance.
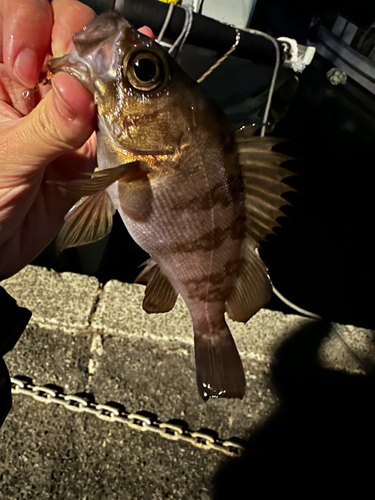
(194, 194)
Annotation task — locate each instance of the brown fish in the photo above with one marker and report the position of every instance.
(195, 196)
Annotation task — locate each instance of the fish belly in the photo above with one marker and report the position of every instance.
(198, 250)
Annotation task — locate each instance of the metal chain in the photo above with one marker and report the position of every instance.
(136, 421)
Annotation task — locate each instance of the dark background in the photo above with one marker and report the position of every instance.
(323, 259)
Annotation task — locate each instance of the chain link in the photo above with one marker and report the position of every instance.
(137, 421)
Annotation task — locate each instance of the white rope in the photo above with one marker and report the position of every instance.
(274, 76)
(166, 21)
(197, 5)
(298, 309)
(297, 57)
(179, 43)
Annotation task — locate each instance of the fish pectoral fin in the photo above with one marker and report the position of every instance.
(89, 220)
(90, 184)
(263, 187)
(160, 296)
(252, 288)
(218, 366)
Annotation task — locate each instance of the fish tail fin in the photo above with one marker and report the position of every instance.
(218, 366)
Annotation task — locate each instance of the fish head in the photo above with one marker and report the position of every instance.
(135, 83)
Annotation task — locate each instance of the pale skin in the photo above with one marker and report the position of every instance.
(46, 137)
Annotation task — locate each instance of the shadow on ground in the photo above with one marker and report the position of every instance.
(321, 439)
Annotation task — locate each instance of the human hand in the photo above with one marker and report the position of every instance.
(39, 135)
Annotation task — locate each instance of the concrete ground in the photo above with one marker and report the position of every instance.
(306, 420)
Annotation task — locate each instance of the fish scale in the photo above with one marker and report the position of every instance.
(197, 197)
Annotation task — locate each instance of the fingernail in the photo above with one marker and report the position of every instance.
(145, 30)
(63, 108)
(26, 67)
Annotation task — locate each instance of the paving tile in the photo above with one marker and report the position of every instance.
(62, 300)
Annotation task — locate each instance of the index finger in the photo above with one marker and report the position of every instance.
(70, 17)
(26, 38)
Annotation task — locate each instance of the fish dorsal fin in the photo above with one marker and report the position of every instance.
(252, 289)
(88, 221)
(263, 187)
(160, 296)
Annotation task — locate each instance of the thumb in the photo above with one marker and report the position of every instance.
(62, 121)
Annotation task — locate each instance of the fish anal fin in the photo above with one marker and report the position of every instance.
(218, 366)
(264, 188)
(160, 295)
(88, 221)
(252, 289)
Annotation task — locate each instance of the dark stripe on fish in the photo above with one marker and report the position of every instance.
(212, 239)
(217, 278)
(213, 294)
(222, 193)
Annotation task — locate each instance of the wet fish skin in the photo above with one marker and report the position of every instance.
(184, 200)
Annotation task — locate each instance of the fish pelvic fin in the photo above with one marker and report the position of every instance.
(252, 289)
(160, 296)
(92, 183)
(263, 176)
(218, 365)
(89, 220)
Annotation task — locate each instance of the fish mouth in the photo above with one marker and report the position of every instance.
(74, 66)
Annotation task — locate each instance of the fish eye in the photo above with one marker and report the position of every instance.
(144, 71)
